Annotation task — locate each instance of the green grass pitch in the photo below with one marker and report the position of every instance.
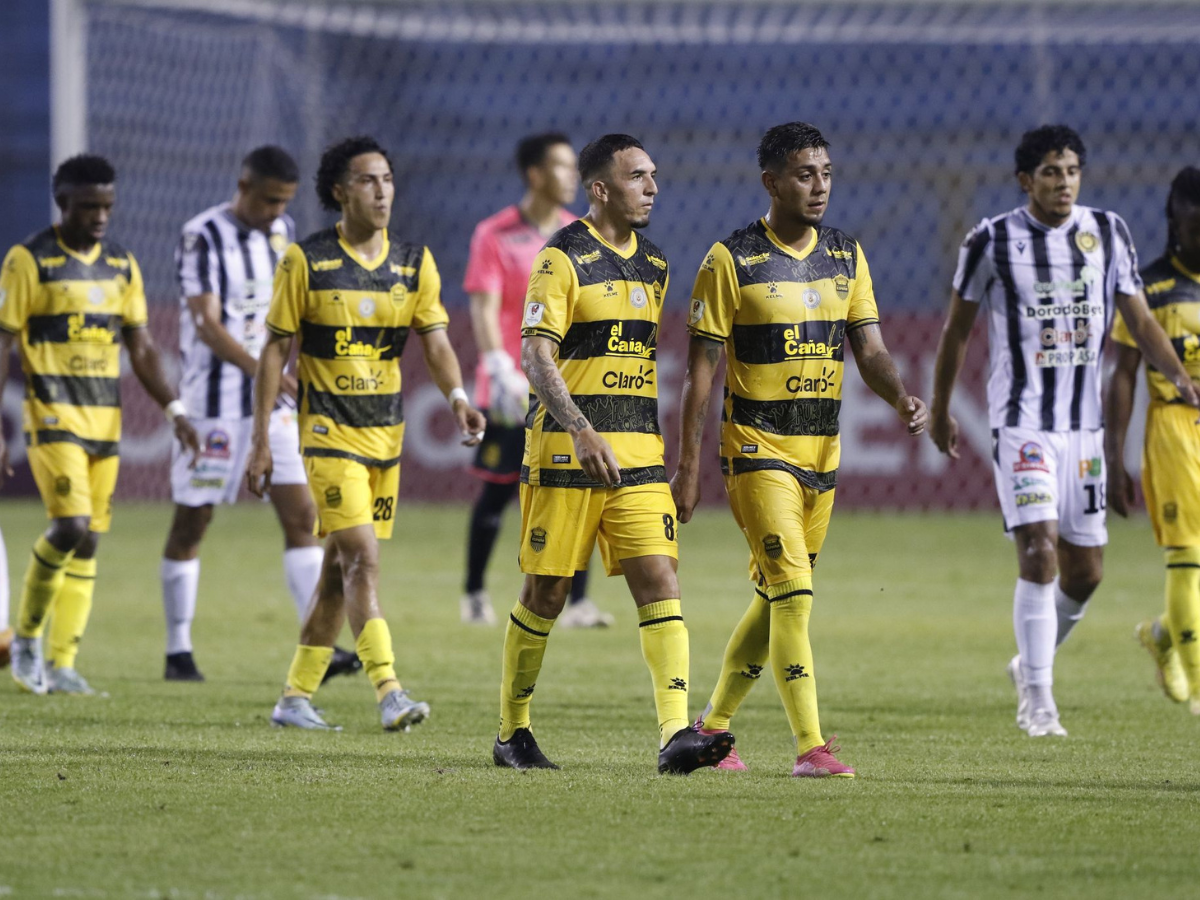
(185, 791)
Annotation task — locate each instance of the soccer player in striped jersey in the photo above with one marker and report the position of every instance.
(226, 261)
(1171, 453)
(351, 294)
(70, 294)
(1050, 274)
(783, 296)
(593, 467)
(503, 248)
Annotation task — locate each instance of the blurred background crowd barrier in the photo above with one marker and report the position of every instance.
(923, 103)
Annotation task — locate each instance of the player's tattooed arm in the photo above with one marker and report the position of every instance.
(704, 356)
(595, 456)
(881, 376)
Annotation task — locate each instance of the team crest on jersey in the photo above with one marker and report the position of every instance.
(812, 298)
(637, 297)
(1032, 459)
(841, 284)
(278, 242)
(366, 307)
(537, 539)
(1086, 241)
(216, 445)
(398, 293)
(773, 546)
(533, 314)
(96, 295)
(697, 312)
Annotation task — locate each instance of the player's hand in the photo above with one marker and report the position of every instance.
(944, 431)
(5, 469)
(1120, 489)
(596, 457)
(185, 433)
(685, 489)
(288, 385)
(259, 468)
(913, 413)
(471, 422)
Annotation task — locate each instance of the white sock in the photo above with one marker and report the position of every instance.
(302, 570)
(1069, 611)
(3, 584)
(1035, 624)
(180, 579)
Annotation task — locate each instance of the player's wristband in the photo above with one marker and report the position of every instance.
(174, 410)
(457, 394)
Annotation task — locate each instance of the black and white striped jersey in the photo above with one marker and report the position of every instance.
(1049, 294)
(220, 255)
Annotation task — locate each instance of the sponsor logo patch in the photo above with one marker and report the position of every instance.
(560, 458)
(326, 265)
(1170, 512)
(216, 445)
(1034, 498)
(533, 313)
(1032, 458)
(795, 671)
(638, 298)
(749, 448)
(694, 316)
(1090, 468)
(812, 298)
(320, 429)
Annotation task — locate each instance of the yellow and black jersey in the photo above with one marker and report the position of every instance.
(69, 309)
(602, 307)
(353, 317)
(783, 316)
(1173, 294)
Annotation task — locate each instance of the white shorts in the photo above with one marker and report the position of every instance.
(1048, 475)
(224, 449)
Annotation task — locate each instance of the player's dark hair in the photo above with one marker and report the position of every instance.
(1185, 188)
(271, 162)
(595, 158)
(532, 150)
(335, 162)
(782, 141)
(1037, 143)
(83, 169)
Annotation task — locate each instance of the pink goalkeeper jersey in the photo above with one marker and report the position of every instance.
(503, 249)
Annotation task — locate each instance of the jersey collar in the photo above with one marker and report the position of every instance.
(369, 265)
(1033, 221)
(624, 254)
(796, 254)
(87, 259)
(1184, 270)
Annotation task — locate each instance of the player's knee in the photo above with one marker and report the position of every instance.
(545, 595)
(69, 532)
(187, 531)
(1081, 583)
(1038, 559)
(359, 564)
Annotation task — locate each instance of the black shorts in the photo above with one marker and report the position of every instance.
(498, 457)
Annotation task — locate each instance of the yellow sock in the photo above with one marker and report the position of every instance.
(745, 658)
(665, 649)
(43, 578)
(524, 646)
(72, 606)
(792, 661)
(374, 646)
(307, 669)
(1183, 610)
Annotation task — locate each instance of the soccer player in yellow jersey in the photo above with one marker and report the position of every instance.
(70, 295)
(1171, 454)
(593, 466)
(782, 296)
(350, 295)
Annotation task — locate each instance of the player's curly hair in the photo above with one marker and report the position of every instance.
(1037, 143)
(782, 141)
(335, 162)
(86, 168)
(532, 150)
(271, 162)
(1185, 188)
(595, 158)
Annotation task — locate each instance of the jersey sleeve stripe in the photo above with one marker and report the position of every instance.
(975, 253)
(860, 323)
(542, 332)
(707, 335)
(436, 326)
(275, 329)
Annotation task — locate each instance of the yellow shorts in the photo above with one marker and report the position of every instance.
(784, 523)
(1171, 475)
(72, 483)
(560, 526)
(348, 493)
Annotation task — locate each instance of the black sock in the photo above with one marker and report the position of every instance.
(485, 525)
